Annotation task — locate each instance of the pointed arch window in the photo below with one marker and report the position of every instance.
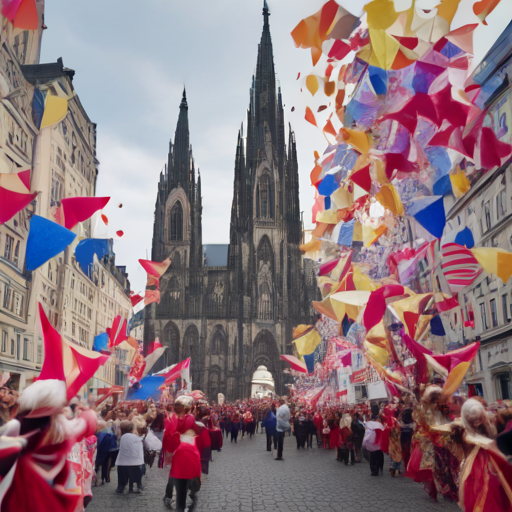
(265, 198)
(176, 222)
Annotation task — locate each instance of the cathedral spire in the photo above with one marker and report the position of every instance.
(181, 149)
(265, 81)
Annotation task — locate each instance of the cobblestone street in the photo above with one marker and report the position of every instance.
(244, 478)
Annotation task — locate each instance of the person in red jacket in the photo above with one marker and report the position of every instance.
(186, 470)
(319, 425)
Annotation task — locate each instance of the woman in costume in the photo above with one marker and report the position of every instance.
(485, 477)
(394, 447)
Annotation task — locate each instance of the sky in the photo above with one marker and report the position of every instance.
(132, 60)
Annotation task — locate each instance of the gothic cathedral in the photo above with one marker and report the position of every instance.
(232, 308)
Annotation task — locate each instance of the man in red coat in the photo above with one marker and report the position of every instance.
(185, 471)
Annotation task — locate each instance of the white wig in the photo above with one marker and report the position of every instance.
(43, 398)
(475, 418)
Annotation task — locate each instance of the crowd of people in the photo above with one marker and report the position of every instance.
(66, 449)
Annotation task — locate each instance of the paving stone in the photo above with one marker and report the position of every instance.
(244, 477)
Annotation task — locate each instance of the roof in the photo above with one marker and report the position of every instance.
(216, 255)
(43, 73)
(495, 58)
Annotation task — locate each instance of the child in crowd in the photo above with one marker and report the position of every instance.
(130, 459)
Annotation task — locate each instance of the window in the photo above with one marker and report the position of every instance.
(4, 341)
(494, 313)
(18, 345)
(57, 191)
(483, 316)
(25, 349)
(7, 298)
(504, 308)
(265, 198)
(12, 347)
(501, 203)
(17, 253)
(9, 243)
(73, 328)
(503, 381)
(487, 215)
(39, 353)
(176, 233)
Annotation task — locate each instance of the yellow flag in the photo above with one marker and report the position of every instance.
(389, 198)
(494, 261)
(455, 378)
(378, 354)
(55, 110)
(307, 343)
(460, 184)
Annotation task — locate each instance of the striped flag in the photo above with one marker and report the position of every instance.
(459, 266)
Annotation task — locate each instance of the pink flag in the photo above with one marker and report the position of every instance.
(136, 298)
(137, 368)
(117, 334)
(52, 365)
(86, 362)
(10, 8)
(151, 296)
(67, 361)
(461, 355)
(326, 268)
(153, 346)
(295, 363)
(346, 360)
(175, 371)
(154, 268)
(13, 202)
(78, 209)
(376, 306)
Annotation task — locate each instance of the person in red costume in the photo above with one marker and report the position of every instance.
(46, 437)
(319, 425)
(177, 424)
(186, 470)
(485, 476)
(35, 446)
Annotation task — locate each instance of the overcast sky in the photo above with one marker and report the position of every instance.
(132, 59)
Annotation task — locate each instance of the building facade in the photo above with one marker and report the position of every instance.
(63, 164)
(18, 134)
(232, 308)
(487, 211)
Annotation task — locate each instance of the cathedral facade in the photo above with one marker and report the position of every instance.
(232, 308)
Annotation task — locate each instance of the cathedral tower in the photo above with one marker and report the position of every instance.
(266, 227)
(232, 308)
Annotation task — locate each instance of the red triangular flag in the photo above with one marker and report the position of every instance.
(13, 202)
(52, 364)
(362, 178)
(79, 209)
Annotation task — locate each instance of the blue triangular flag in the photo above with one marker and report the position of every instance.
(46, 239)
(378, 79)
(148, 387)
(100, 342)
(346, 233)
(310, 362)
(86, 249)
(328, 185)
(443, 186)
(465, 238)
(429, 212)
(436, 326)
